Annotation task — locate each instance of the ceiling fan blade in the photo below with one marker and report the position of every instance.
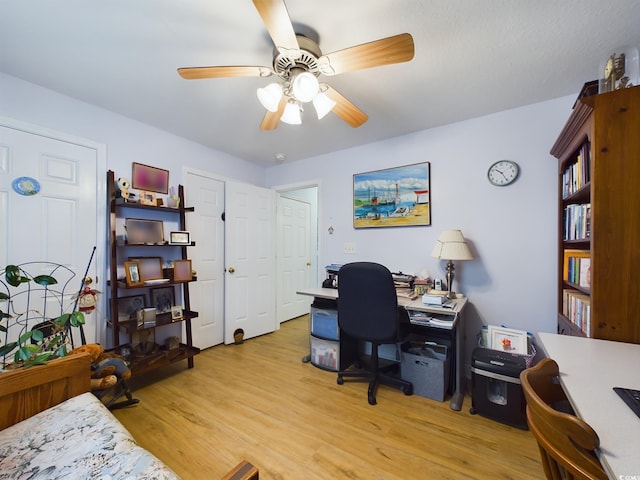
(276, 18)
(385, 51)
(346, 110)
(194, 73)
(272, 119)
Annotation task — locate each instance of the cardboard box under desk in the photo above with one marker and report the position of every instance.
(427, 368)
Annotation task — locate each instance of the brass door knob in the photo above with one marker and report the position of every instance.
(231, 269)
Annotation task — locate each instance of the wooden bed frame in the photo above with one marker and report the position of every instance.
(25, 392)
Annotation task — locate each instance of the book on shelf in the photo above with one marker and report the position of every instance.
(584, 272)
(571, 264)
(576, 307)
(577, 221)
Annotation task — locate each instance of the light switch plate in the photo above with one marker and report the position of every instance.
(349, 247)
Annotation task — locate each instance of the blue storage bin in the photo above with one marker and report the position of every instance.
(324, 323)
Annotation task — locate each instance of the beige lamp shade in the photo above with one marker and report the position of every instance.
(451, 245)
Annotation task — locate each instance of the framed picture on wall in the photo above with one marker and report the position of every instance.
(393, 197)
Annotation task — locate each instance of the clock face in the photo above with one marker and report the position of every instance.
(503, 172)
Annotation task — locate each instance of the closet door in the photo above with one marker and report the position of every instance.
(250, 260)
(206, 195)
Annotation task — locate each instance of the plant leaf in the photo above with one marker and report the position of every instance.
(45, 280)
(8, 348)
(4, 296)
(12, 275)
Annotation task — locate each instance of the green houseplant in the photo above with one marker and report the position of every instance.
(29, 333)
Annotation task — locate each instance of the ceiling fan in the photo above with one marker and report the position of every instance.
(298, 62)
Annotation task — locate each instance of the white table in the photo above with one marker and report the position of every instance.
(453, 313)
(589, 369)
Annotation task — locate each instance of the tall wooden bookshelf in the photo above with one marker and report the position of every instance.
(599, 218)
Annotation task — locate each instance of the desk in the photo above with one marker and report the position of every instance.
(589, 369)
(453, 326)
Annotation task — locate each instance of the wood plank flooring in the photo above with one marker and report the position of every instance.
(257, 401)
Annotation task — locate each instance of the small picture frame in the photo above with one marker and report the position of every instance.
(507, 339)
(163, 298)
(150, 267)
(176, 313)
(182, 271)
(148, 198)
(141, 231)
(128, 306)
(132, 274)
(180, 238)
(149, 179)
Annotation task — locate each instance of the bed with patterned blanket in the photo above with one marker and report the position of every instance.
(53, 427)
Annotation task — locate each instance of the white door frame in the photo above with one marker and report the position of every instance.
(100, 258)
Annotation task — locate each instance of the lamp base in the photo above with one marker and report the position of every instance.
(451, 295)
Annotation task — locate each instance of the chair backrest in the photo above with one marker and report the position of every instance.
(566, 442)
(367, 302)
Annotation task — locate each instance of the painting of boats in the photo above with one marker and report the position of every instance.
(393, 197)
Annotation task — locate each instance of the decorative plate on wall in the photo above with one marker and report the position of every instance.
(26, 186)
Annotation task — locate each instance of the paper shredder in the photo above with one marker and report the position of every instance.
(495, 384)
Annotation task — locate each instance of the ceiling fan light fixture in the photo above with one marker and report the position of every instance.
(305, 86)
(291, 114)
(270, 96)
(323, 105)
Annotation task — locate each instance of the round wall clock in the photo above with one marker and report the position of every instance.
(503, 173)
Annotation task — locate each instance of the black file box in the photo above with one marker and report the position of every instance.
(495, 384)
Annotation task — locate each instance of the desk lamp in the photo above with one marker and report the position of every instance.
(451, 246)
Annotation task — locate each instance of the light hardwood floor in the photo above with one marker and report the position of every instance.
(257, 401)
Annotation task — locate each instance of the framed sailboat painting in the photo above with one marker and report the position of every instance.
(393, 197)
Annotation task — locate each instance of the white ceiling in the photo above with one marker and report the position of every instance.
(472, 57)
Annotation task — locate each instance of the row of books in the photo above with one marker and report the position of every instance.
(577, 267)
(577, 308)
(577, 221)
(578, 174)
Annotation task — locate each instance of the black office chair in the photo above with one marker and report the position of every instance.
(368, 311)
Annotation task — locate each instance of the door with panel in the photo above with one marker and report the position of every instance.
(57, 221)
(206, 195)
(293, 257)
(250, 252)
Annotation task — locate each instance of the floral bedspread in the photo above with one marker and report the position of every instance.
(77, 439)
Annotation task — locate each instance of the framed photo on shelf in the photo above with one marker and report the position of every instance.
(132, 274)
(150, 267)
(182, 271)
(176, 312)
(180, 238)
(507, 339)
(128, 306)
(163, 298)
(393, 197)
(141, 231)
(149, 179)
(148, 198)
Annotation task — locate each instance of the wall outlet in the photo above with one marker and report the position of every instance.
(349, 247)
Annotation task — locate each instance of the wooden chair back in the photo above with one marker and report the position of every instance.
(566, 442)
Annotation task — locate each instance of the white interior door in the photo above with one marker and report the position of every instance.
(206, 195)
(59, 224)
(250, 289)
(294, 260)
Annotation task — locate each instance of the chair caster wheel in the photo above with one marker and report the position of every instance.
(473, 411)
(340, 380)
(372, 400)
(407, 390)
